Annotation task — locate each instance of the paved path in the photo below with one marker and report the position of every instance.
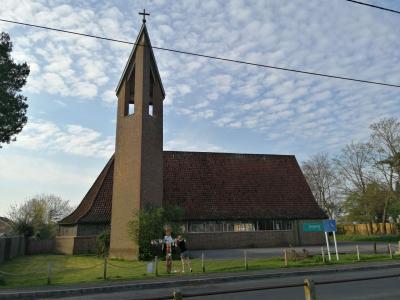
(343, 247)
(382, 289)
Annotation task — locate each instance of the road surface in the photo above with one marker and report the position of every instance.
(382, 289)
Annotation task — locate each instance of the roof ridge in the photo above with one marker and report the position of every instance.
(229, 153)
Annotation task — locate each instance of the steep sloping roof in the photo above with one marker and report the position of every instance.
(96, 205)
(217, 186)
(224, 186)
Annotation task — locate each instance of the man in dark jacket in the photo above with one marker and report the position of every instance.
(181, 243)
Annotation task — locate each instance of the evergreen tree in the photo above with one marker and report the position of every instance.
(13, 105)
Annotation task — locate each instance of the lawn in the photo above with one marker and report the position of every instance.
(367, 238)
(32, 270)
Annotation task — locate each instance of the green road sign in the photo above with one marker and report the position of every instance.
(312, 227)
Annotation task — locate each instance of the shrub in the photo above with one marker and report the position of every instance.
(103, 243)
(148, 224)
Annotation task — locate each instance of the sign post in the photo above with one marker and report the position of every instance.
(330, 226)
(327, 246)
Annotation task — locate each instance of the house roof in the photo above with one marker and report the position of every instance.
(217, 186)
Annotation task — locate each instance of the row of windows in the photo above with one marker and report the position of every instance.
(236, 226)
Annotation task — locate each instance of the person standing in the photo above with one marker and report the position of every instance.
(168, 243)
(181, 243)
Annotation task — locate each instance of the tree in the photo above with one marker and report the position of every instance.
(354, 168)
(385, 149)
(148, 224)
(39, 215)
(366, 206)
(13, 105)
(322, 180)
(353, 165)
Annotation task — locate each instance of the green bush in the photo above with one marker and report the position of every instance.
(148, 224)
(103, 243)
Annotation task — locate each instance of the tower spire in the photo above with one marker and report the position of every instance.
(144, 14)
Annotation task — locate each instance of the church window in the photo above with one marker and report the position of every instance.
(196, 227)
(151, 106)
(131, 93)
(151, 109)
(131, 108)
(265, 225)
(151, 84)
(229, 226)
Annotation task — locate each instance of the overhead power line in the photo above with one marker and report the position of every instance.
(374, 6)
(207, 56)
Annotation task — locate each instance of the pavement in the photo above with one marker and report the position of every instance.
(140, 287)
(344, 247)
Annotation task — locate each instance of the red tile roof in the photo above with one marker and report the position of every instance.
(217, 186)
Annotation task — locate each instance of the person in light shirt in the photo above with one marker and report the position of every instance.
(168, 242)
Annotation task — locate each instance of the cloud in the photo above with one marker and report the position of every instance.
(24, 176)
(72, 139)
(109, 97)
(184, 144)
(287, 112)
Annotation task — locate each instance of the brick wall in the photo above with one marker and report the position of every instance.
(230, 240)
(75, 244)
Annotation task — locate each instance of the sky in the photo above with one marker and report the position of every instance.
(210, 105)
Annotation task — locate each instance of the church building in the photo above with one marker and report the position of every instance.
(229, 200)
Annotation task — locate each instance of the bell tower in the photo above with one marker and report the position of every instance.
(138, 168)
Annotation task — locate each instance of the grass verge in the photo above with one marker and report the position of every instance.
(367, 238)
(28, 271)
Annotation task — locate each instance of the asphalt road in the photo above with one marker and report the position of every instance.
(382, 289)
(344, 247)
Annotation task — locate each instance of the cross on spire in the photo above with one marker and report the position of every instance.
(144, 14)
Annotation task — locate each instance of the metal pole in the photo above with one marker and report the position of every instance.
(334, 239)
(49, 266)
(390, 250)
(105, 269)
(203, 267)
(358, 253)
(323, 254)
(309, 290)
(375, 252)
(327, 246)
(156, 265)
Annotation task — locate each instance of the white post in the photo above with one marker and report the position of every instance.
(327, 246)
(49, 267)
(246, 266)
(358, 253)
(334, 239)
(323, 254)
